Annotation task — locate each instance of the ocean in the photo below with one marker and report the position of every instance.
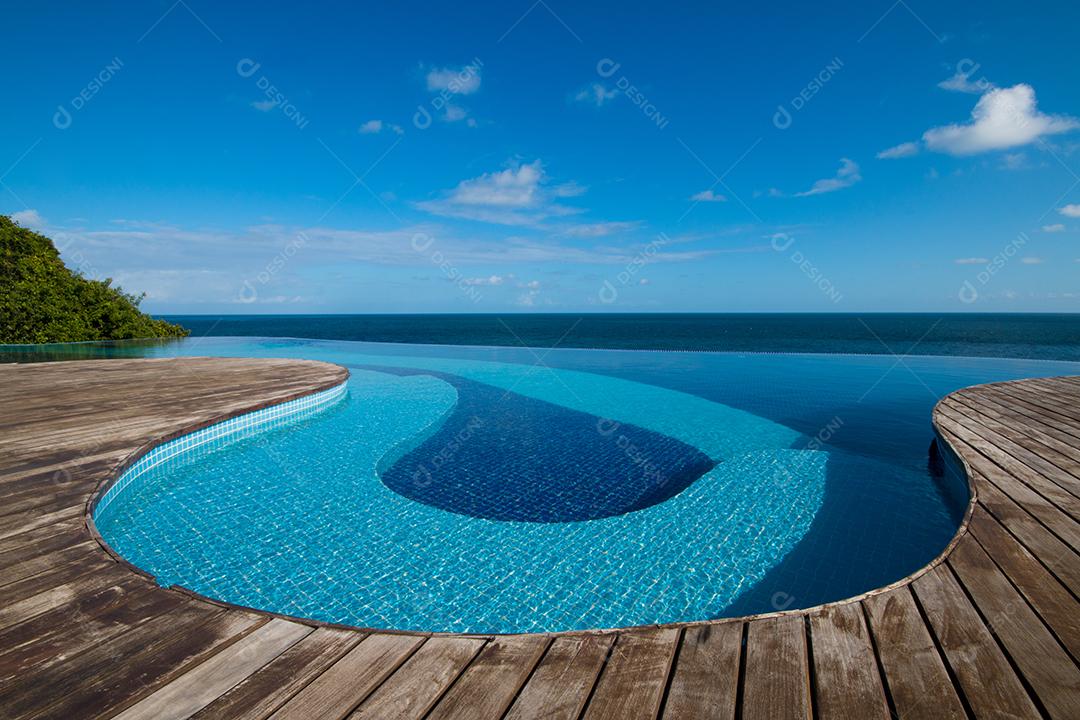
(1036, 336)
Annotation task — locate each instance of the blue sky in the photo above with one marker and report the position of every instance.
(552, 156)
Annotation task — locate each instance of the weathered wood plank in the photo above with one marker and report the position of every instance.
(918, 683)
(200, 686)
(990, 686)
(705, 681)
(1008, 465)
(1062, 561)
(847, 684)
(1034, 650)
(335, 693)
(632, 683)
(776, 683)
(1055, 605)
(560, 686)
(271, 686)
(491, 682)
(417, 685)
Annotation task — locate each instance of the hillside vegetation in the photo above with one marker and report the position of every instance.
(42, 301)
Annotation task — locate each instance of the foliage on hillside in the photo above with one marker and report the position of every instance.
(42, 301)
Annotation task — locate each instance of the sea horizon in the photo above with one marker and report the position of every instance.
(1045, 336)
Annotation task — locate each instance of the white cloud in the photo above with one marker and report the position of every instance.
(1072, 211)
(264, 105)
(708, 196)
(532, 291)
(491, 281)
(596, 94)
(846, 176)
(458, 81)
(374, 127)
(643, 281)
(971, 261)
(519, 195)
(1014, 161)
(1031, 260)
(961, 82)
(601, 228)
(455, 113)
(899, 151)
(1003, 118)
(1055, 228)
(29, 219)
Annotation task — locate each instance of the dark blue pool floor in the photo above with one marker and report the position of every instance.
(504, 456)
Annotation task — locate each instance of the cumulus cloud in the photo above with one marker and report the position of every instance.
(971, 261)
(1003, 118)
(519, 195)
(29, 219)
(264, 105)
(899, 151)
(846, 176)
(1072, 211)
(1055, 228)
(463, 80)
(1031, 260)
(708, 196)
(596, 94)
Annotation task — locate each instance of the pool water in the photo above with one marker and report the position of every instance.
(508, 490)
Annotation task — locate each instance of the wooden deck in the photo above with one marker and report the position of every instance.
(992, 629)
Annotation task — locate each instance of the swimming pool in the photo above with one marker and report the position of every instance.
(508, 490)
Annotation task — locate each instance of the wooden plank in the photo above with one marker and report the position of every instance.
(335, 693)
(92, 619)
(632, 683)
(1043, 662)
(1061, 560)
(705, 679)
(917, 681)
(38, 689)
(1041, 459)
(776, 683)
(847, 684)
(491, 682)
(990, 686)
(21, 611)
(271, 686)
(560, 686)
(1055, 605)
(54, 577)
(972, 433)
(1022, 421)
(1041, 416)
(1046, 512)
(206, 682)
(413, 690)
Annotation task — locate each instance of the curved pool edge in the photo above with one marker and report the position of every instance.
(149, 446)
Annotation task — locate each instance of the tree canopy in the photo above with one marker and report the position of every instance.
(43, 301)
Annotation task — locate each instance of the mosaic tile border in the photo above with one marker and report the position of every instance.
(218, 435)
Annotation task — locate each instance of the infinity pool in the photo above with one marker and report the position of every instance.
(506, 490)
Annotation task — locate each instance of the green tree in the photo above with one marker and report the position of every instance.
(42, 301)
